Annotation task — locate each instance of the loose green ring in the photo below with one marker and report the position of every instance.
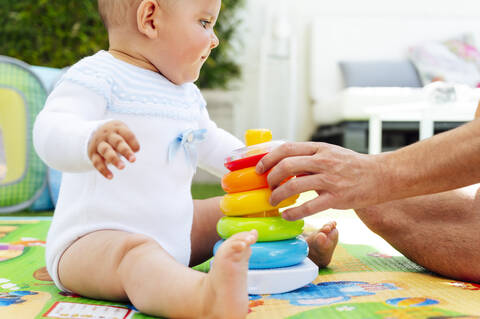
(269, 228)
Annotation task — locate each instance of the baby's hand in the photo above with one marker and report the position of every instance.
(109, 139)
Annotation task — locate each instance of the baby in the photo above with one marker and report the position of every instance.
(132, 236)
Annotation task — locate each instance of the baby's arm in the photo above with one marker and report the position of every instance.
(218, 145)
(74, 115)
(212, 152)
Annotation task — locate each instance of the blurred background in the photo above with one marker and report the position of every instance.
(370, 75)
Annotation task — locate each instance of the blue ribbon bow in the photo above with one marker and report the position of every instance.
(187, 141)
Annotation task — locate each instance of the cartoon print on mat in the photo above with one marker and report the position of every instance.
(4, 230)
(30, 242)
(254, 301)
(6, 284)
(411, 302)
(426, 312)
(66, 310)
(15, 297)
(378, 254)
(454, 317)
(464, 285)
(42, 274)
(327, 293)
(11, 250)
(22, 304)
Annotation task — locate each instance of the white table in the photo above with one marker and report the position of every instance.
(423, 112)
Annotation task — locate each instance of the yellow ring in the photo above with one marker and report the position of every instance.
(251, 202)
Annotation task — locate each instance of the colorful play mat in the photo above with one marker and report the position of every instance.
(367, 280)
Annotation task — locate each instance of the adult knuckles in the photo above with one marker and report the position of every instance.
(286, 165)
(287, 148)
(309, 208)
(291, 186)
(318, 162)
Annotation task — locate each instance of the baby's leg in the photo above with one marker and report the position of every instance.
(322, 243)
(117, 265)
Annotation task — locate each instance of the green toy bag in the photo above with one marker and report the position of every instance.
(22, 96)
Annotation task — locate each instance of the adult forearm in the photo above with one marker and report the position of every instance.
(446, 161)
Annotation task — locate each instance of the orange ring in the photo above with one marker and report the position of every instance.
(242, 180)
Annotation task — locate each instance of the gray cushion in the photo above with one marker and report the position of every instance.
(395, 73)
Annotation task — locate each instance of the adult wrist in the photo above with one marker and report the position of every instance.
(386, 177)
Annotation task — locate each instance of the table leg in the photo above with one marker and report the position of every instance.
(374, 135)
(426, 129)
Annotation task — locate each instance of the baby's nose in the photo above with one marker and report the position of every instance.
(214, 42)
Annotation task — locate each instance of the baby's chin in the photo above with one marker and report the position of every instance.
(179, 80)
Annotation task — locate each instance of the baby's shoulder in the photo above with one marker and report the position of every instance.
(91, 72)
(97, 65)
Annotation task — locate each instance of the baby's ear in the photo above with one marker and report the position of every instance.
(148, 14)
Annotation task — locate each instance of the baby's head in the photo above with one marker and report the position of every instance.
(173, 36)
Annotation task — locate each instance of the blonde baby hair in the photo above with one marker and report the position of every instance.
(115, 12)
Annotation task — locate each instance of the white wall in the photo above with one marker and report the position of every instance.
(300, 14)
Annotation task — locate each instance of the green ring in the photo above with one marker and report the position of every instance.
(269, 228)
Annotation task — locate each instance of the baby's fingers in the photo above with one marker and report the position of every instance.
(121, 146)
(129, 138)
(100, 165)
(109, 154)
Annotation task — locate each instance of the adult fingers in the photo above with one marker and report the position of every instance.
(296, 186)
(121, 146)
(285, 150)
(322, 202)
(129, 137)
(99, 163)
(290, 166)
(109, 154)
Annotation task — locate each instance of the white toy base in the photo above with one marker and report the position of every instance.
(279, 280)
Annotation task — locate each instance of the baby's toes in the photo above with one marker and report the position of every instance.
(240, 241)
(328, 227)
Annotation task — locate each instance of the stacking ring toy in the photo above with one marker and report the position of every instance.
(249, 156)
(269, 228)
(245, 179)
(244, 162)
(257, 136)
(256, 201)
(270, 213)
(275, 254)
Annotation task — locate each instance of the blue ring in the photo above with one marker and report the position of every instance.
(275, 254)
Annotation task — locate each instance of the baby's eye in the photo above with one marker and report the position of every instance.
(205, 23)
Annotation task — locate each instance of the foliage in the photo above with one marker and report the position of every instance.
(57, 33)
(220, 68)
(203, 191)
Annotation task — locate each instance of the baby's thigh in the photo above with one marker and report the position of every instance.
(89, 267)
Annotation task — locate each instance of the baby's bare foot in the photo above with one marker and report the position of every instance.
(226, 282)
(322, 243)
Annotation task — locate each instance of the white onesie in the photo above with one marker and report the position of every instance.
(151, 196)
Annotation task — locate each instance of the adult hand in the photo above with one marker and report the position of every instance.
(107, 142)
(342, 178)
